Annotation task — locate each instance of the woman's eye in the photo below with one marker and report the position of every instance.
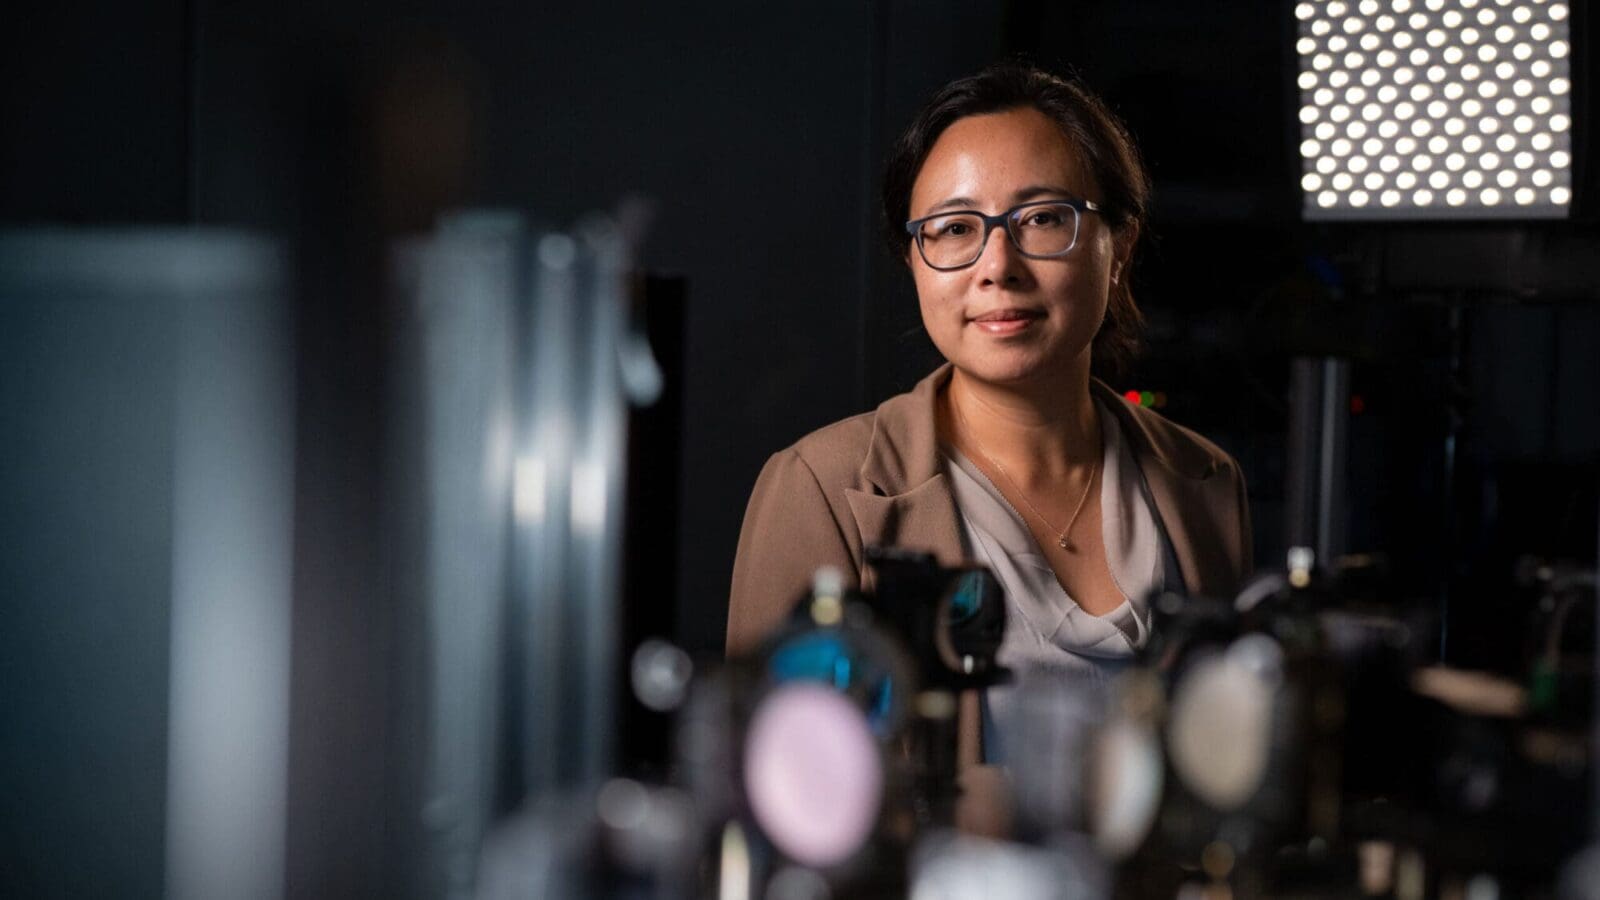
(1043, 218)
(953, 229)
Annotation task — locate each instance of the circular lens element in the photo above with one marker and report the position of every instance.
(813, 773)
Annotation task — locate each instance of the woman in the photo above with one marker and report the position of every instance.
(1016, 200)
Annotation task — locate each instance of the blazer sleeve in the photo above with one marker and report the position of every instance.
(789, 531)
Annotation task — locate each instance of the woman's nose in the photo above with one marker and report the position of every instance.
(1001, 262)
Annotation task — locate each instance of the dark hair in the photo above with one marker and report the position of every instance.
(1094, 131)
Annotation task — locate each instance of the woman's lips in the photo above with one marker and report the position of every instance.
(1006, 321)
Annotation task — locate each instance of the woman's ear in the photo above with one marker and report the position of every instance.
(1122, 250)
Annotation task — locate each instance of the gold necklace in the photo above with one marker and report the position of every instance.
(1061, 539)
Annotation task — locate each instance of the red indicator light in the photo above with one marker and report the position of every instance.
(1358, 404)
(1132, 397)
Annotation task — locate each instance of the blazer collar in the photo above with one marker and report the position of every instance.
(904, 450)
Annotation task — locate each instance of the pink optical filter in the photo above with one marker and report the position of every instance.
(813, 774)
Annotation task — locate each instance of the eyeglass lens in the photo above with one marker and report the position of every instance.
(956, 240)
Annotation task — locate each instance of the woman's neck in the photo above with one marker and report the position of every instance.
(1039, 434)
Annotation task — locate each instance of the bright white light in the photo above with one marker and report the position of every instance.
(1356, 164)
(1524, 196)
(1470, 72)
(1321, 27)
(1311, 182)
(1559, 123)
(1523, 124)
(1388, 93)
(1542, 177)
(1438, 109)
(1305, 45)
(1454, 90)
(1337, 43)
(1308, 114)
(1521, 14)
(1422, 198)
(1560, 196)
(1341, 147)
(1472, 178)
(1388, 128)
(1342, 181)
(1488, 125)
(1539, 67)
(1327, 164)
(1541, 105)
(1354, 95)
(1487, 53)
(1327, 198)
(1470, 107)
(1472, 143)
(1405, 180)
(1541, 141)
(1310, 148)
(1558, 11)
(1559, 86)
(1560, 159)
(1504, 34)
(1325, 130)
(1505, 143)
(1451, 19)
(1389, 163)
(1489, 161)
(1405, 145)
(1522, 87)
(1454, 162)
(1523, 160)
(1506, 178)
(1322, 96)
(1540, 32)
(1505, 106)
(1386, 58)
(1373, 181)
(1490, 196)
(1372, 147)
(1404, 111)
(1358, 198)
(1438, 181)
(1304, 11)
(1455, 197)
(1389, 198)
(1439, 143)
(1372, 112)
(1523, 51)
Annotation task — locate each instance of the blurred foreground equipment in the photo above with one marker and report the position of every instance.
(146, 400)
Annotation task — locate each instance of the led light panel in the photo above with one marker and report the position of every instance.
(1435, 109)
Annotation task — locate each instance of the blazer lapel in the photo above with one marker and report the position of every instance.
(1180, 486)
(906, 501)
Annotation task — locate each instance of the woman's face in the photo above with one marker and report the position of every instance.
(1007, 319)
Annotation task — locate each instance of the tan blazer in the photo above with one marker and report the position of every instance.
(877, 478)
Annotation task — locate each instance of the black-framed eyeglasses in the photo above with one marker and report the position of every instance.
(1042, 229)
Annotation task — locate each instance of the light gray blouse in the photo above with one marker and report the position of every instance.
(1047, 634)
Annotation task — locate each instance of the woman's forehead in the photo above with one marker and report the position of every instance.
(997, 158)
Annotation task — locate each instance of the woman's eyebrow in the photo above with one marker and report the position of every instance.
(1040, 190)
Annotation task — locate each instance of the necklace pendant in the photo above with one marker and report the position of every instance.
(1065, 544)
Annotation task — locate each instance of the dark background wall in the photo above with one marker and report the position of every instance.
(755, 132)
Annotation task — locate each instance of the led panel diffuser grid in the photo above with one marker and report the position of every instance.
(1435, 109)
